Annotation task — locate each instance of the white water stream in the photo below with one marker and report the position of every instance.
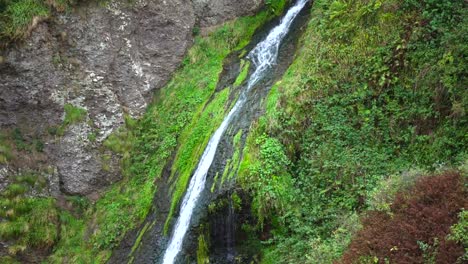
(263, 56)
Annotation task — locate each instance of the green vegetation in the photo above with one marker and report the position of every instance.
(122, 142)
(180, 121)
(14, 143)
(460, 232)
(236, 201)
(73, 115)
(377, 89)
(28, 222)
(376, 96)
(17, 16)
(276, 6)
(5, 149)
(245, 66)
(232, 164)
(19, 140)
(38, 224)
(71, 247)
(140, 236)
(203, 256)
(182, 116)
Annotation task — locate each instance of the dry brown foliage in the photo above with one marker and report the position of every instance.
(424, 214)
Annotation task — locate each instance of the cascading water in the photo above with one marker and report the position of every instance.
(263, 56)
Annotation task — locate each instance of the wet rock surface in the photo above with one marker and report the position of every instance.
(227, 237)
(225, 223)
(105, 59)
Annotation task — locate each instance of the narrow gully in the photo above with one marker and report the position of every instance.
(263, 57)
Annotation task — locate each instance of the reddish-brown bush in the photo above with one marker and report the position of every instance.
(425, 214)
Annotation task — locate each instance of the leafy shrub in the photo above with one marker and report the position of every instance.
(416, 229)
(374, 90)
(459, 232)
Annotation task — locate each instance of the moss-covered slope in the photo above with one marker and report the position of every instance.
(180, 121)
(378, 88)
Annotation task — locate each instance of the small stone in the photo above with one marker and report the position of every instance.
(63, 35)
(2, 60)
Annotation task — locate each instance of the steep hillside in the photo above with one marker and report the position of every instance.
(378, 88)
(351, 150)
(67, 132)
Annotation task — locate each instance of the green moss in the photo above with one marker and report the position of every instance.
(192, 142)
(236, 156)
(140, 236)
(276, 6)
(236, 201)
(215, 180)
(203, 256)
(18, 15)
(5, 149)
(28, 222)
(232, 164)
(237, 138)
(73, 115)
(193, 86)
(245, 66)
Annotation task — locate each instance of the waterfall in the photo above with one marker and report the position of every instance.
(263, 56)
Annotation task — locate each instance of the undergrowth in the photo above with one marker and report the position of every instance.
(17, 16)
(416, 228)
(179, 119)
(376, 89)
(27, 222)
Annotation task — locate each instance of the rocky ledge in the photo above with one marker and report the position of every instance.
(105, 61)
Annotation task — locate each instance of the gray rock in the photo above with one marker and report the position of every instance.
(28, 80)
(213, 12)
(107, 60)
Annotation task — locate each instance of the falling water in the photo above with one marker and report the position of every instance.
(263, 56)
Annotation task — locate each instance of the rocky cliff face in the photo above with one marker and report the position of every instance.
(107, 60)
(212, 12)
